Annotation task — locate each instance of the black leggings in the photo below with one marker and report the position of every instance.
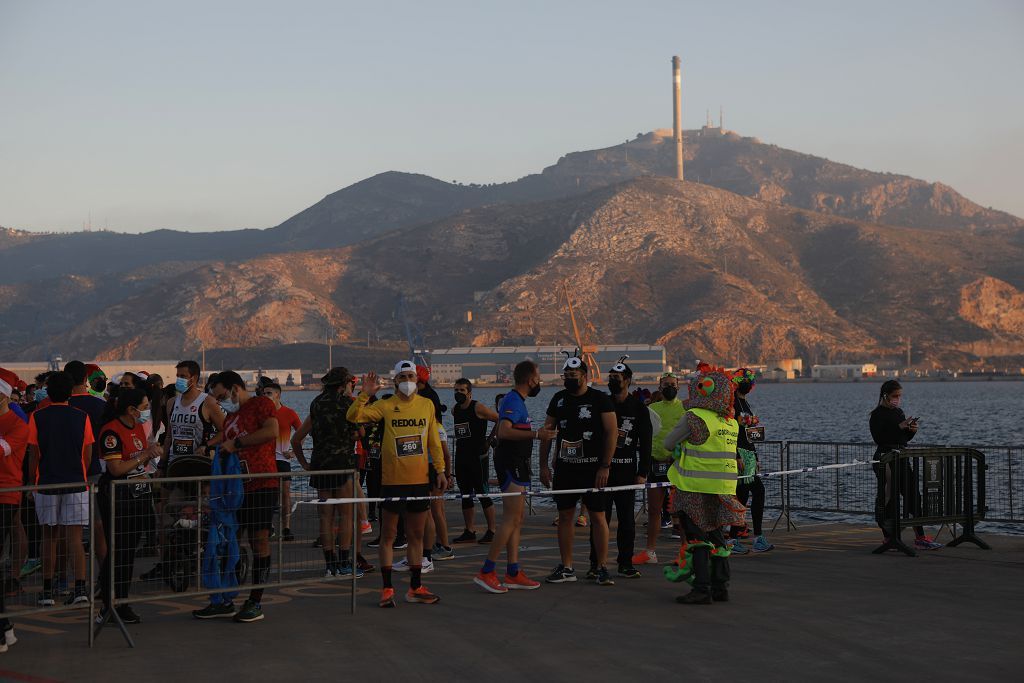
(710, 573)
(885, 505)
(743, 493)
(7, 517)
(373, 476)
(130, 523)
(625, 534)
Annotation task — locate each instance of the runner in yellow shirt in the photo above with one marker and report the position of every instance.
(409, 438)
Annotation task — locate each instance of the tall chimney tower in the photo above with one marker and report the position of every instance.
(677, 116)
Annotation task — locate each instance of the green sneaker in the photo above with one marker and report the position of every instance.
(212, 611)
(250, 611)
(31, 566)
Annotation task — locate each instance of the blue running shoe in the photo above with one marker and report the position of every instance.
(761, 544)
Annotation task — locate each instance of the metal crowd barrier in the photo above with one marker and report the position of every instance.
(930, 486)
(182, 505)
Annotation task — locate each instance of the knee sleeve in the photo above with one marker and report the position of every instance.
(467, 503)
(486, 503)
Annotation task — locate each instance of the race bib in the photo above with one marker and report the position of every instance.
(375, 452)
(659, 468)
(181, 447)
(462, 430)
(408, 446)
(139, 488)
(571, 451)
(755, 434)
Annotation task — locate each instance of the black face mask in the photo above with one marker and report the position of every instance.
(534, 391)
(615, 386)
(460, 398)
(669, 393)
(571, 384)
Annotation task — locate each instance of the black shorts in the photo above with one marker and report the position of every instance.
(470, 476)
(398, 490)
(283, 466)
(578, 479)
(257, 510)
(512, 469)
(329, 482)
(659, 471)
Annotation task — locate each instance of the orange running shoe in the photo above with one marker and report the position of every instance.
(387, 598)
(489, 582)
(421, 595)
(645, 557)
(520, 582)
(581, 521)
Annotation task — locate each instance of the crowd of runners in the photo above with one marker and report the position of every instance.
(695, 456)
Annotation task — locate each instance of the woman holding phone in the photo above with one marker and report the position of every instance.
(892, 430)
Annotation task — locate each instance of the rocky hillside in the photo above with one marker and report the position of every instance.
(392, 201)
(710, 273)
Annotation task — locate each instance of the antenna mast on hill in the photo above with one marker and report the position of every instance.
(677, 117)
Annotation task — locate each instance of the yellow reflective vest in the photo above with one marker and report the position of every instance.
(711, 466)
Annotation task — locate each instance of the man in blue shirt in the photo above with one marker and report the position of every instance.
(512, 465)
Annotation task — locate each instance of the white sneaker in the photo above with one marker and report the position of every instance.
(9, 638)
(401, 566)
(426, 566)
(3, 647)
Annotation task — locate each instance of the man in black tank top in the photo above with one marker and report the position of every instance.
(470, 431)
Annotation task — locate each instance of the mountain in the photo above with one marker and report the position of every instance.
(710, 273)
(392, 201)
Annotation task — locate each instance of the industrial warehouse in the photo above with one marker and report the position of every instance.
(493, 364)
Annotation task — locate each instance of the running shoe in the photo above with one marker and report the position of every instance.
(365, 528)
(426, 566)
(46, 599)
(287, 535)
(744, 532)
(487, 537)
(317, 543)
(443, 552)
(422, 596)
(926, 543)
(467, 536)
(695, 597)
(581, 521)
(329, 571)
(562, 574)
(214, 611)
(345, 569)
(375, 543)
(604, 578)
(666, 523)
(9, 637)
(400, 544)
(364, 564)
(520, 582)
(675, 533)
(79, 597)
(629, 572)
(128, 615)
(157, 572)
(387, 598)
(736, 548)
(761, 544)
(645, 557)
(591, 574)
(31, 566)
(401, 566)
(490, 583)
(719, 595)
(251, 611)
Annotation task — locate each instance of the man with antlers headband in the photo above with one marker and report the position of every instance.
(704, 474)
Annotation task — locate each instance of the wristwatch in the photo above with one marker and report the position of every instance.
(238, 444)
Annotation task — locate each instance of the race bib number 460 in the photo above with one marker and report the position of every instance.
(406, 446)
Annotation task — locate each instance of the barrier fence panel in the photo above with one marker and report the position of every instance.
(224, 536)
(46, 538)
(930, 486)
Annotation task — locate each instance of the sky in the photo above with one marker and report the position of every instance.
(220, 115)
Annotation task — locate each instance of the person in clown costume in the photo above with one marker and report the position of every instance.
(704, 474)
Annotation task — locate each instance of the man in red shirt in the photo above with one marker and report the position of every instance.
(13, 440)
(287, 422)
(251, 431)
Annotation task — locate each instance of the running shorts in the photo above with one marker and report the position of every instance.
(577, 479)
(257, 510)
(512, 469)
(399, 506)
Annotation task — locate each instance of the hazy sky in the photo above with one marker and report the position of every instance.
(209, 115)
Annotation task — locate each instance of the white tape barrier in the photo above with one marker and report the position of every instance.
(607, 489)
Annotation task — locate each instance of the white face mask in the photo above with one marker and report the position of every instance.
(407, 388)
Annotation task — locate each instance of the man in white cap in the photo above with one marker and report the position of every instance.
(409, 443)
